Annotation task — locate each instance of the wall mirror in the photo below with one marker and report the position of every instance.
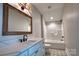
(15, 22)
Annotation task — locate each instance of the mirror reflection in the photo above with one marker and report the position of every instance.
(18, 22)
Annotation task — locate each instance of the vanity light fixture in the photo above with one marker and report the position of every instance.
(25, 6)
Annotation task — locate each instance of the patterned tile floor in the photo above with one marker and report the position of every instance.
(55, 52)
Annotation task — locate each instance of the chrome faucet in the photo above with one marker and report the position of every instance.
(25, 37)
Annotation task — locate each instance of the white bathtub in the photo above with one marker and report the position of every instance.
(56, 44)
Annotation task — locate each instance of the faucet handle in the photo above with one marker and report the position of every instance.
(25, 37)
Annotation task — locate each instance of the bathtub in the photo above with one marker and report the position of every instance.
(55, 44)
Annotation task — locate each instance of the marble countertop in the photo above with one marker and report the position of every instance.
(17, 47)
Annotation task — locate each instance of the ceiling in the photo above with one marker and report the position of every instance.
(49, 10)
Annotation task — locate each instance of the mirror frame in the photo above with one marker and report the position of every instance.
(5, 31)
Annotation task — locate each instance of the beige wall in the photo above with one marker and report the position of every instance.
(36, 22)
(71, 28)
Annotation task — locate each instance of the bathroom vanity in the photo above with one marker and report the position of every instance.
(16, 22)
(37, 49)
(29, 48)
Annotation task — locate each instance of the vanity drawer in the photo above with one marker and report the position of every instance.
(24, 53)
(34, 48)
(39, 52)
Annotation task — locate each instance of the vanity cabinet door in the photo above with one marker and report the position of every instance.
(34, 54)
(34, 49)
(24, 53)
(41, 51)
(38, 50)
